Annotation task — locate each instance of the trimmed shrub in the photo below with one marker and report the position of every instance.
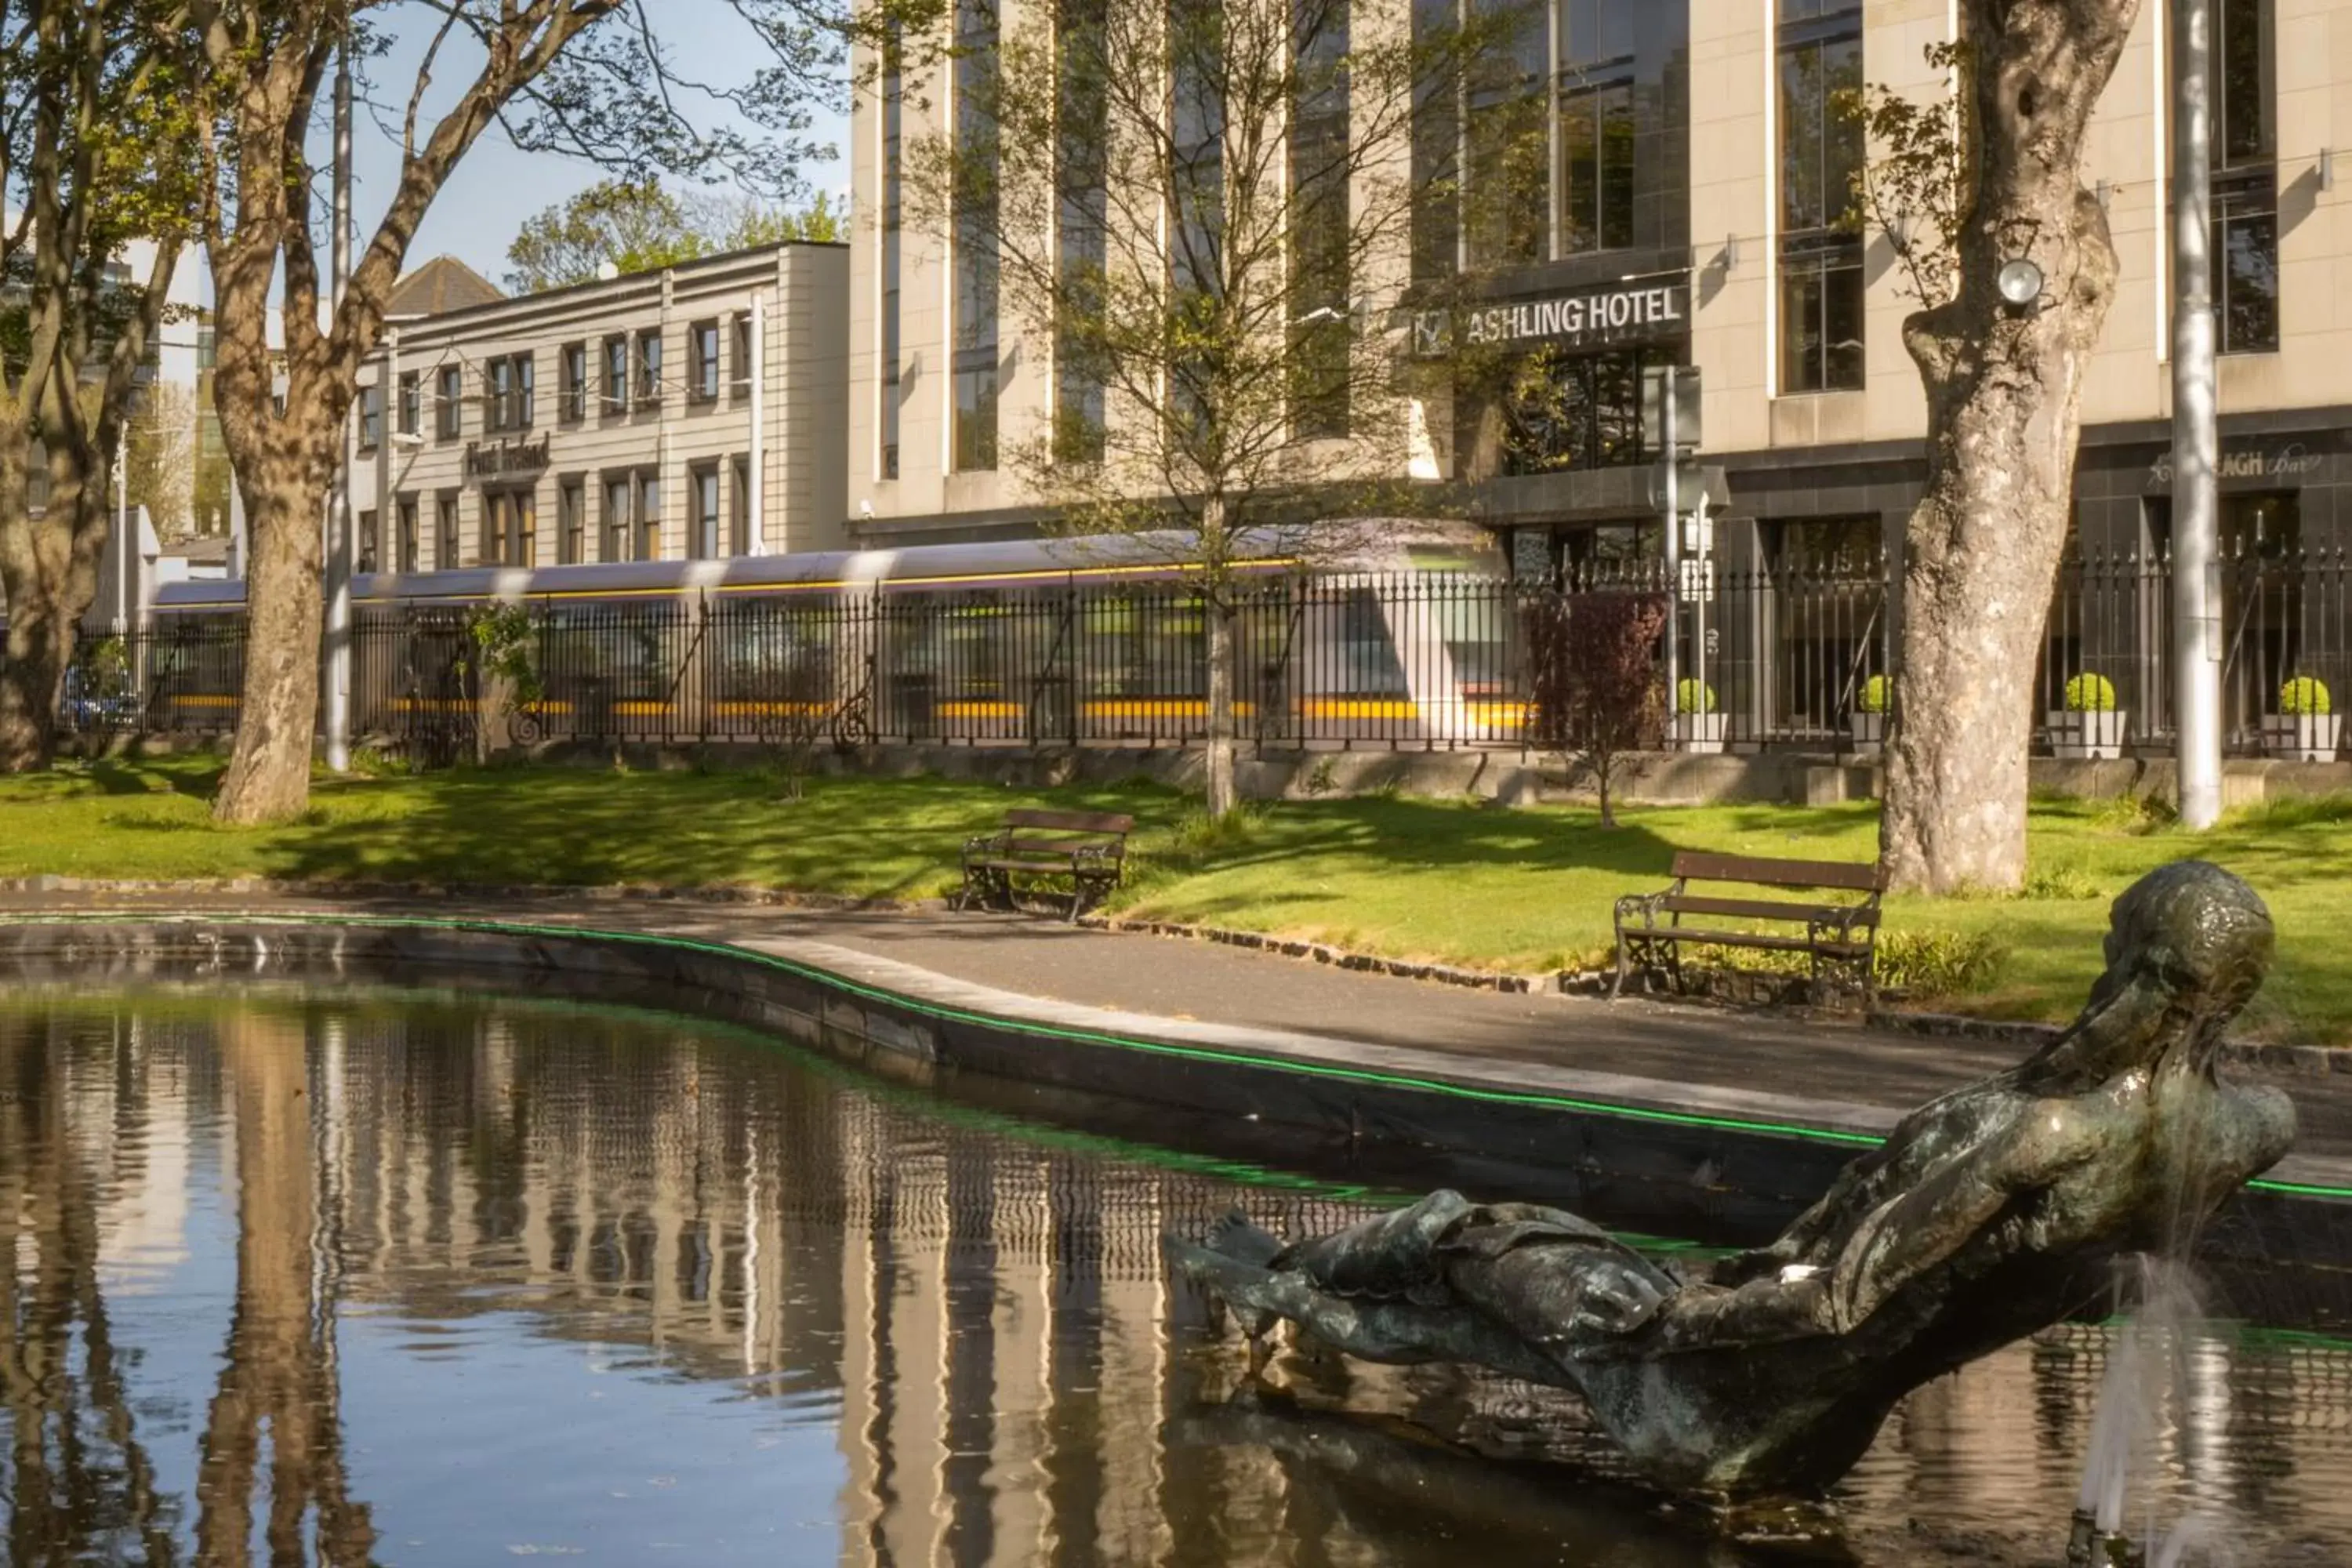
(1693, 696)
(2305, 696)
(2089, 693)
(1877, 695)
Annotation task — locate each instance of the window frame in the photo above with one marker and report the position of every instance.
(617, 386)
(646, 359)
(706, 369)
(449, 403)
(573, 360)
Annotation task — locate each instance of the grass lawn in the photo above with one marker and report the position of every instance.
(1459, 881)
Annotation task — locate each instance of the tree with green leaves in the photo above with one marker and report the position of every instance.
(1961, 187)
(588, 77)
(644, 225)
(1199, 214)
(96, 135)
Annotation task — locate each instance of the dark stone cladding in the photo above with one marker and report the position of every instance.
(1710, 1174)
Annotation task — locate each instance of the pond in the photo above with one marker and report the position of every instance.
(424, 1277)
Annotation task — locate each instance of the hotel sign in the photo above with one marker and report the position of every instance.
(2292, 460)
(1593, 318)
(506, 459)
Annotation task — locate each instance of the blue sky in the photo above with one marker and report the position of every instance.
(496, 187)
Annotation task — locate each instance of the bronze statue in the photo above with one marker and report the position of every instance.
(1987, 1214)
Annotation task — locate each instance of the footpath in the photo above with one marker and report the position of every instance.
(1703, 1060)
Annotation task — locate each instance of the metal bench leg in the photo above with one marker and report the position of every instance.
(1623, 942)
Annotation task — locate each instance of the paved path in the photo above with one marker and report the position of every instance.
(1675, 1047)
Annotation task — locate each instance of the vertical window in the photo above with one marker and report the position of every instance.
(497, 509)
(1081, 216)
(522, 536)
(702, 361)
(974, 367)
(449, 403)
(649, 516)
(371, 542)
(739, 540)
(412, 402)
(1196, 204)
(526, 406)
(649, 366)
(498, 394)
(571, 523)
(741, 384)
(1509, 188)
(2246, 179)
(1820, 267)
(575, 381)
(617, 373)
(616, 519)
(410, 545)
(370, 417)
(1598, 125)
(445, 534)
(1436, 152)
(1321, 330)
(892, 170)
(703, 545)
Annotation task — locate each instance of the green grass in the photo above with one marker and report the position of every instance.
(1457, 881)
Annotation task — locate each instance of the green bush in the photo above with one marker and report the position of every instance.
(1693, 696)
(2090, 694)
(1941, 963)
(1877, 695)
(2303, 696)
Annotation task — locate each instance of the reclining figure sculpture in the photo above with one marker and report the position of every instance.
(1987, 1214)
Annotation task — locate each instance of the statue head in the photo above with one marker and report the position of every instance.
(2188, 946)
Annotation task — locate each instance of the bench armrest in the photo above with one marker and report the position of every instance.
(981, 843)
(1642, 906)
(1098, 852)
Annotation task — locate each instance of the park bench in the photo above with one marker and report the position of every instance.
(1089, 847)
(1840, 934)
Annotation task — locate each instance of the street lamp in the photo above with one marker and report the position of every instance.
(2020, 283)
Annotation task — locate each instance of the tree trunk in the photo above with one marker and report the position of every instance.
(2003, 413)
(1223, 794)
(269, 777)
(49, 572)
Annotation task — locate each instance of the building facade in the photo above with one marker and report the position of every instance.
(1690, 209)
(693, 412)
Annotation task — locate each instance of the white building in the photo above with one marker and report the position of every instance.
(696, 412)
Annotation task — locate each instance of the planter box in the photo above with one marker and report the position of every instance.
(1869, 732)
(2302, 737)
(1700, 731)
(2079, 737)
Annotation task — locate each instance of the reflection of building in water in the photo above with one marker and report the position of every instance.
(985, 1315)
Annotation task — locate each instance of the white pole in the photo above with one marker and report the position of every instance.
(756, 504)
(2196, 437)
(1668, 391)
(339, 512)
(126, 543)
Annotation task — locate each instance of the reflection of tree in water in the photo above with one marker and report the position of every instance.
(79, 1485)
(279, 1370)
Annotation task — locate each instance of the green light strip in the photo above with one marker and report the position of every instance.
(1084, 1036)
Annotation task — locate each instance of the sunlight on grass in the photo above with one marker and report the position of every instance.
(1452, 881)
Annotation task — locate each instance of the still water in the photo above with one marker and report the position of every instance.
(425, 1279)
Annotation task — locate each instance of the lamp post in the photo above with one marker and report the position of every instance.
(2196, 437)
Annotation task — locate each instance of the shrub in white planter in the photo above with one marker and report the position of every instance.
(2090, 725)
(1697, 726)
(2306, 728)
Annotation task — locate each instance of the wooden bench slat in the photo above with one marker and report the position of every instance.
(1765, 910)
(1071, 821)
(1697, 936)
(1697, 866)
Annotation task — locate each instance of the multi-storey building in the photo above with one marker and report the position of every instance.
(1691, 210)
(696, 412)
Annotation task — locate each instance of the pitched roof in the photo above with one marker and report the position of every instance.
(444, 283)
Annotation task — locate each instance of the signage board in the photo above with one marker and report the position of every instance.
(507, 459)
(1636, 312)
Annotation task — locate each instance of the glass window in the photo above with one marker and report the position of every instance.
(570, 523)
(444, 541)
(449, 403)
(1820, 267)
(2245, 180)
(616, 373)
(371, 540)
(703, 367)
(649, 366)
(1575, 411)
(740, 536)
(892, 180)
(409, 543)
(1322, 329)
(649, 517)
(575, 381)
(1436, 155)
(526, 408)
(412, 402)
(704, 543)
(616, 519)
(1596, 151)
(370, 417)
(1082, 218)
(975, 241)
(1508, 192)
(498, 392)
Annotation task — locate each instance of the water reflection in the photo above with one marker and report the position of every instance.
(376, 1278)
